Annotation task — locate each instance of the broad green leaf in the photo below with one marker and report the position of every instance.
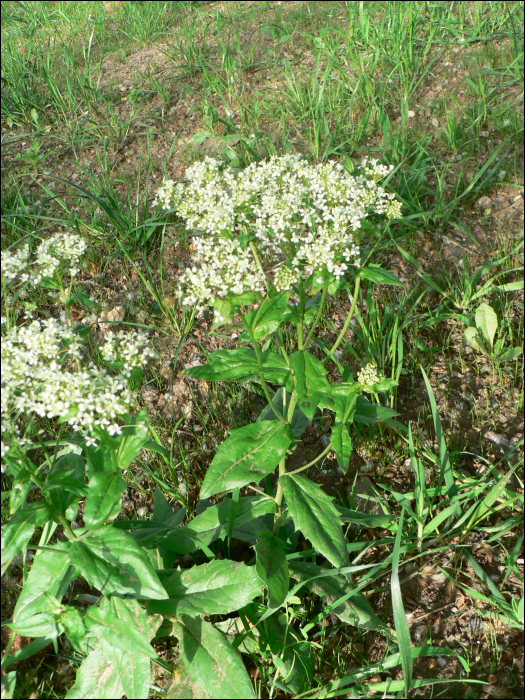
(269, 315)
(215, 588)
(340, 398)
(310, 379)
(107, 668)
(299, 420)
(355, 610)
(134, 437)
(97, 676)
(8, 685)
(316, 516)
(105, 490)
(17, 533)
(369, 413)
(82, 298)
(211, 661)
(376, 274)
(183, 688)
(487, 322)
(400, 620)
(213, 523)
(111, 560)
(471, 338)
(510, 354)
(510, 286)
(74, 628)
(118, 631)
(342, 443)
(162, 510)
(272, 567)
(247, 455)
(240, 364)
(48, 577)
(19, 490)
(293, 656)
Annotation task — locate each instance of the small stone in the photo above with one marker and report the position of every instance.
(411, 114)
(496, 438)
(435, 122)
(484, 134)
(484, 202)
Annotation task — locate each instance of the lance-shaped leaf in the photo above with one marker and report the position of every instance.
(247, 455)
(272, 567)
(355, 610)
(111, 560)
(310, 378)
(342, 443)
(369, 413)
(215, 588)
(17, 533)
(211, 661)
(487, 322)
(299, 420)
(377, 275)
(316, 516)
(104, 492)
(269, 315)
(213, 524)
(49, 576)
(240, 364)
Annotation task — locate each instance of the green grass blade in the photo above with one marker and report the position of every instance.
(400, 620)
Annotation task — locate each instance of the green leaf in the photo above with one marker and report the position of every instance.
(316, 516)
(299, 420)
(111, 560)
(97, 676)
(272, 567)
(369, 413)
(19, 490)
(272, 313)
(32, 648)
(213, 523)
(211, 661)
(487, 322)
(133, 438)
(376, 274)
(247, 455)
(74, 628)
(355, 610)
(184, 688)
(471, 338)
(400, 620)
(82, 298)
(342, 443)
(17, 533)
(365, 519)
(240, 364)
(162, 510)
(118, 631)
(510, 354)
(8, 685)
(292, 656)
(216, 588)
(49, 575)
(105, 490)
(310, 379)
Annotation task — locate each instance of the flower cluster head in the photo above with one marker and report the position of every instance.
(43, 374)
(130, 348)
(368, 376)
(50, 254)
(223, 267)
(307, 214)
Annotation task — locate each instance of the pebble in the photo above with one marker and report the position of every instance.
(411, 114)
(484, 202)
(496, 438)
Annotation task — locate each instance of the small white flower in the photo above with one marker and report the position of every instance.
(368, 376)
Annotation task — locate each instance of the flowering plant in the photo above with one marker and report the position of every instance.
(274, 241)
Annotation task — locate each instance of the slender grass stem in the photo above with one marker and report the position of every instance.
(348, 319)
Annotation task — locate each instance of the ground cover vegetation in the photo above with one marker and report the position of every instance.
(261, 349)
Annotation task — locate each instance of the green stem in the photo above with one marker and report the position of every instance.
(256, 256)
(348, 319)
(317, 318)
(310, 464)
(263, 493)
(300, 325)
(279, 496)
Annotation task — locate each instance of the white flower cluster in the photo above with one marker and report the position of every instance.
(130, 348)
(43, 375)
(368, 375)
(49, 255)
(284, 279)
(307, 212)
(223, 267)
